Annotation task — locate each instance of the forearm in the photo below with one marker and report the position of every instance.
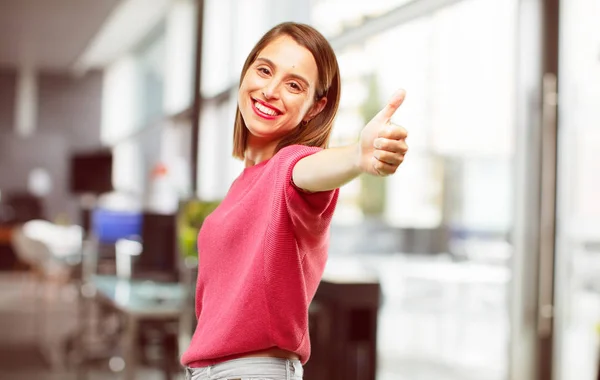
(328, 169)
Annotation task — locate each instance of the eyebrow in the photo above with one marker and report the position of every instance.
(295, 76)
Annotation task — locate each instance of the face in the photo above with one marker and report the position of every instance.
(277, 92)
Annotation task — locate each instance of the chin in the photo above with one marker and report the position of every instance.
(257, 130)
(263, 133)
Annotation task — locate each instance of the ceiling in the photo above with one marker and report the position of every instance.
(49, 34)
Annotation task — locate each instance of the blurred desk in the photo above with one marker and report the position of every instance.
(141, 298)
(457, 273)
(8, 259)
(5, 234)
(137, 301)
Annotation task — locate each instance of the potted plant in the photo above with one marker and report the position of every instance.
(190, 217)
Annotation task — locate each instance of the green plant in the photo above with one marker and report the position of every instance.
(373, 189)
(191, 215)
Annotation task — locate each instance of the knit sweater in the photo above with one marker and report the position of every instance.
(261, 255)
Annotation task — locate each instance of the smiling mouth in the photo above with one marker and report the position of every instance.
(264, 110)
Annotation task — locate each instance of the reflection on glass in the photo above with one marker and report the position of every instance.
(151, 61)
(437, 232)
(217, 31)
(332, 17)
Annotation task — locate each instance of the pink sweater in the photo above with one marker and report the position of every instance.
(262, 253)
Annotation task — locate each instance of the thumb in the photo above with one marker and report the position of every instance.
(393, 104)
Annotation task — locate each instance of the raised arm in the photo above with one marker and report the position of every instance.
(379, 151)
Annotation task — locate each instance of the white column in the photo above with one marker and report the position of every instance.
(179, 56)
(26, 105)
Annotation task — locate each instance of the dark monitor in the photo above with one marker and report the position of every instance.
(91, 172)
(159, 259)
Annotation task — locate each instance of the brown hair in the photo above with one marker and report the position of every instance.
(317, 131)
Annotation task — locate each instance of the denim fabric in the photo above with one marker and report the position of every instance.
(249, 369)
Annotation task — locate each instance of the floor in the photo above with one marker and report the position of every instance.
(439, 320)
(29, 348)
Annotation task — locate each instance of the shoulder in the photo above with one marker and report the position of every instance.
(293, 153)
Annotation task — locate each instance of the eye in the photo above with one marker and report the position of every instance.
(264, 70)
(295, 86)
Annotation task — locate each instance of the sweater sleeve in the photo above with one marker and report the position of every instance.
(309, 212)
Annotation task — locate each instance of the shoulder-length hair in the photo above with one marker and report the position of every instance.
(317, 131)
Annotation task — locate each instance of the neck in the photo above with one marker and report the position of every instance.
(257, 152)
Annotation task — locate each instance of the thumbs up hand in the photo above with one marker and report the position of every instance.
(382, 144)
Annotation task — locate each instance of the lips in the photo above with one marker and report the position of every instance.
(264, 110)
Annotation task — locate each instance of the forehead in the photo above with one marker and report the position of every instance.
(289, 56)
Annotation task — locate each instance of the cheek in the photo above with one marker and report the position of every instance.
(243, 94)
(239, 96)
(246, 83)
(304, 108)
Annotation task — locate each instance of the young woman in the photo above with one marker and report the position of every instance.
(263, 251)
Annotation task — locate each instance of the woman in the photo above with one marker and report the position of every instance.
(262, 252)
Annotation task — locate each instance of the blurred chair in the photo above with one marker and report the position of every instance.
(32, 251)
(53, 252)
(49, 247)
(15, 208)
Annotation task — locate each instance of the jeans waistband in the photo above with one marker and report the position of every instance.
(284, 369)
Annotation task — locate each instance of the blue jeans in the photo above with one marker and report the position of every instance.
(249, 369)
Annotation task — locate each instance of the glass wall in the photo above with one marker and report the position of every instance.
(577, 282)
(437, 232)
(146, 92)
(332, 17)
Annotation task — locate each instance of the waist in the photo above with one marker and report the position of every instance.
(277, 368)
(273, 352)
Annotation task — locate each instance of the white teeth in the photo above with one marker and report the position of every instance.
(264, 109)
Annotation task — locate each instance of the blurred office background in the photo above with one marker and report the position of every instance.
(484, 249)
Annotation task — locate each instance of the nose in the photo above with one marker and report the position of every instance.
(271, 89)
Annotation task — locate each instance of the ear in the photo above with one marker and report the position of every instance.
(317, 108)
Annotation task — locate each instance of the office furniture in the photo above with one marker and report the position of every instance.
(8, 258)
(53, 253)
(16, 208)
(138, 302)
(343, 327)
(91, 172)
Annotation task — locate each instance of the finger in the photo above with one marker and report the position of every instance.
(388, 157)
(381, 168)
(394, 146)
(395, 101)
(393, 131)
